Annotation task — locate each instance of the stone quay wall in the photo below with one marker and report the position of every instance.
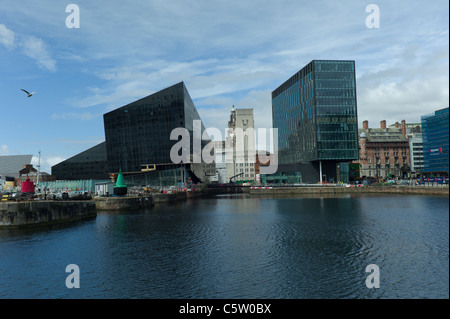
(123, 203)
(418, 190)
(32, 213)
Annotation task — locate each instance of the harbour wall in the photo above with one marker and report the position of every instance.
(417, 190)
(44, 212)
(130, 202)
(32, 213)
(138, 202)
(123, 203)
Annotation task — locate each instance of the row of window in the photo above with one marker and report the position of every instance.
(336, 120)
(333, 66)
(340, 76)
(244, 164)
(337, 93)
(335, 154)
(387, 160)
(334, 100)
(334, 84)
(245, 170)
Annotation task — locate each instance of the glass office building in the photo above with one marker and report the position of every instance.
(90, 164)
(315, 112)
(137, 135)
(435, 136)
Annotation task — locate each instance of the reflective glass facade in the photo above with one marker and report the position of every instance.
(139, 133)
(90, 164)
(293, 113)
(315, 112)
(435, 136)
(336, 115)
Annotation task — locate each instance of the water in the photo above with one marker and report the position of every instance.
(239, 247)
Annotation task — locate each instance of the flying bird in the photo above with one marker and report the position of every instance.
(29, 94)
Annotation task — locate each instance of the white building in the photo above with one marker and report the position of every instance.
(240, 147)
(413, 132)
(416, 154)
(221, 168)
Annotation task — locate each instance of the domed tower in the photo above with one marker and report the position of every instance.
(232, 121)
(362, 142)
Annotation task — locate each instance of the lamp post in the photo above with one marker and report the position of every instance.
(39, 168)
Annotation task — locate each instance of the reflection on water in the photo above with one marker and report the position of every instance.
(239, 246)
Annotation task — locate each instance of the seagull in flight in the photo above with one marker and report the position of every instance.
(29, 94)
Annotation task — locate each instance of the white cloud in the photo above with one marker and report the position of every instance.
(227, 48)
(4, 149)
(31, 46)
(7, 37)
(36, 49)
(46, 162)
(209, 78)
(415, 85)
(85, 116)
(396, 101)
(235, 52)
(53, 160)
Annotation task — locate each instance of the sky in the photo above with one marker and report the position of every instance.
(227, 52)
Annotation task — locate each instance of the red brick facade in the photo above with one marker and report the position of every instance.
(384, 152)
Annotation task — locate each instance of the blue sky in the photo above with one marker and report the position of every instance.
(227, 53)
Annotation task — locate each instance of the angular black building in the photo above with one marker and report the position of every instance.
(139, 133)
(315, 112)
(90, 164)
(137, 137)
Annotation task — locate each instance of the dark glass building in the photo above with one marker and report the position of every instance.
(315, 112)
(137, 137)
(90, 164)
(435, 136)
(139, 133)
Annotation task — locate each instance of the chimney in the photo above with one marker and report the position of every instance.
(366, 125)
(404, 127)
(383, 124)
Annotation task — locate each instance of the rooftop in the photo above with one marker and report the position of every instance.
(384, 135)
(10, 165)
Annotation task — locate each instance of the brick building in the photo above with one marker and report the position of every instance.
(29, 172)
(384, 152)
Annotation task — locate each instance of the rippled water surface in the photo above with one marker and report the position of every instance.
(239, 247)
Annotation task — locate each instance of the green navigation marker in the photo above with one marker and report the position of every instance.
(120, 188)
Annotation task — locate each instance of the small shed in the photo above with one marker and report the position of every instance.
(104, 188)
